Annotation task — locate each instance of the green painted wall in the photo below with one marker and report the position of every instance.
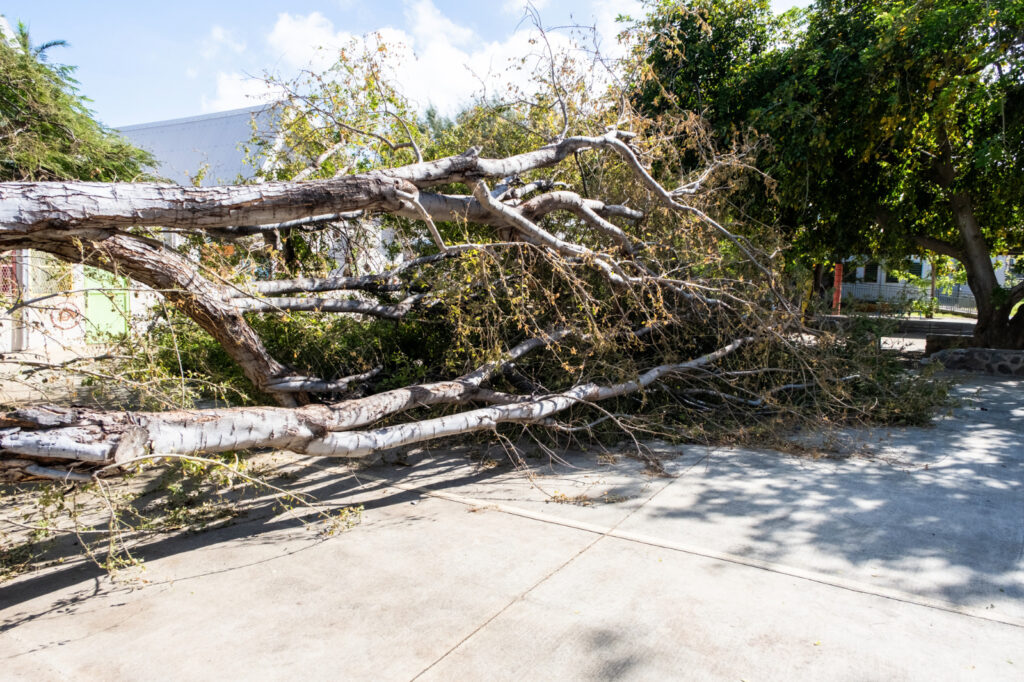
(106, 312)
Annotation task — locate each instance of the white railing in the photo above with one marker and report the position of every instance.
(959, 300)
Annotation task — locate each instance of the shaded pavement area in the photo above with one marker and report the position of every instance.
(898, 556)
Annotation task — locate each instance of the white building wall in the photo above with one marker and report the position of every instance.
(212, 143)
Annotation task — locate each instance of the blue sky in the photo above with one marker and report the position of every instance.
(147, 61)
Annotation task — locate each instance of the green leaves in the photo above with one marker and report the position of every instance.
(46, 129)
(858, 99)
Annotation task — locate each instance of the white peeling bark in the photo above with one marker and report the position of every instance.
(88, 435)
(26, 207)
(470, 166)
(361, 443)
(328, 305)
(241, 428)
(578, 206)
(443, 207)
(29, 207)
(311, 385)
(317, 284)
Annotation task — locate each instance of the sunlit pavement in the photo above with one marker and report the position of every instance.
(900, 557)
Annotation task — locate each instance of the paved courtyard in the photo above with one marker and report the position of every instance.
(902, 561)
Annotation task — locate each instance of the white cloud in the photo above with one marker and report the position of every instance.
(306, 41)
(429, 26)
(236, 90)
(446, 64)
(605, 13)
(519, 6)
(436, 60)
(780, 6)
(220, 38)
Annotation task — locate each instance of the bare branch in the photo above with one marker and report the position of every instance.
(313, 222)
(315, 166)
(537, 24)
(570, 201)
(413, 199)
(361, 443)
(412, 141)
(939, 246)
(378, 282)
(327, 305)
(309, 385)
(375, 283)
(523, 225)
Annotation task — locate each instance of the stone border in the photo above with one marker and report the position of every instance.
(987, 360)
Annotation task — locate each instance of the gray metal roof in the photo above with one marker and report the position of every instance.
(182, 146)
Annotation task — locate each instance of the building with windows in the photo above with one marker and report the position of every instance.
(874, 282)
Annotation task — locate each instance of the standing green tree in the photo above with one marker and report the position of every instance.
(46, 129)
(895, 127)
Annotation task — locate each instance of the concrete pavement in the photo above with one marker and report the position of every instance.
(903, 561)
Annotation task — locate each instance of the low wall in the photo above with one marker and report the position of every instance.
(988, 360)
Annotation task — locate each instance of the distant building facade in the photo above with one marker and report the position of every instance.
(874, 282)
(81, 305)
(210, 147)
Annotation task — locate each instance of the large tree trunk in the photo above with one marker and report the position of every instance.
(994, 328)
(86, 207)
(1000, 330)
(73, 207)
(86, 439)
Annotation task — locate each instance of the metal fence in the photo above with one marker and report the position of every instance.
(959, 300)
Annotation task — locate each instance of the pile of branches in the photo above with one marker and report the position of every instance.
(560, 288)
(565, 315)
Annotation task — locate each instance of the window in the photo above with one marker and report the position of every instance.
(871, 272)
(916, 268)
(849, 272)
(8, 275)
(891, 278)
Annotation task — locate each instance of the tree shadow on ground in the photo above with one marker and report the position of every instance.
(933, 511)
(261, 523)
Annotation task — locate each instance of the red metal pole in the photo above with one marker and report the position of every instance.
(837, 291)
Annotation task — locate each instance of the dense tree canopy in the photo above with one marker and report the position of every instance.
(46, 129)
(890, 127)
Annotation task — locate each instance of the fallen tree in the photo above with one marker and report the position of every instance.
(561, 286)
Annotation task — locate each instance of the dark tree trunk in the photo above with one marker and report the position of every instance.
(995, 328)
(821, 281)
(998, 330)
